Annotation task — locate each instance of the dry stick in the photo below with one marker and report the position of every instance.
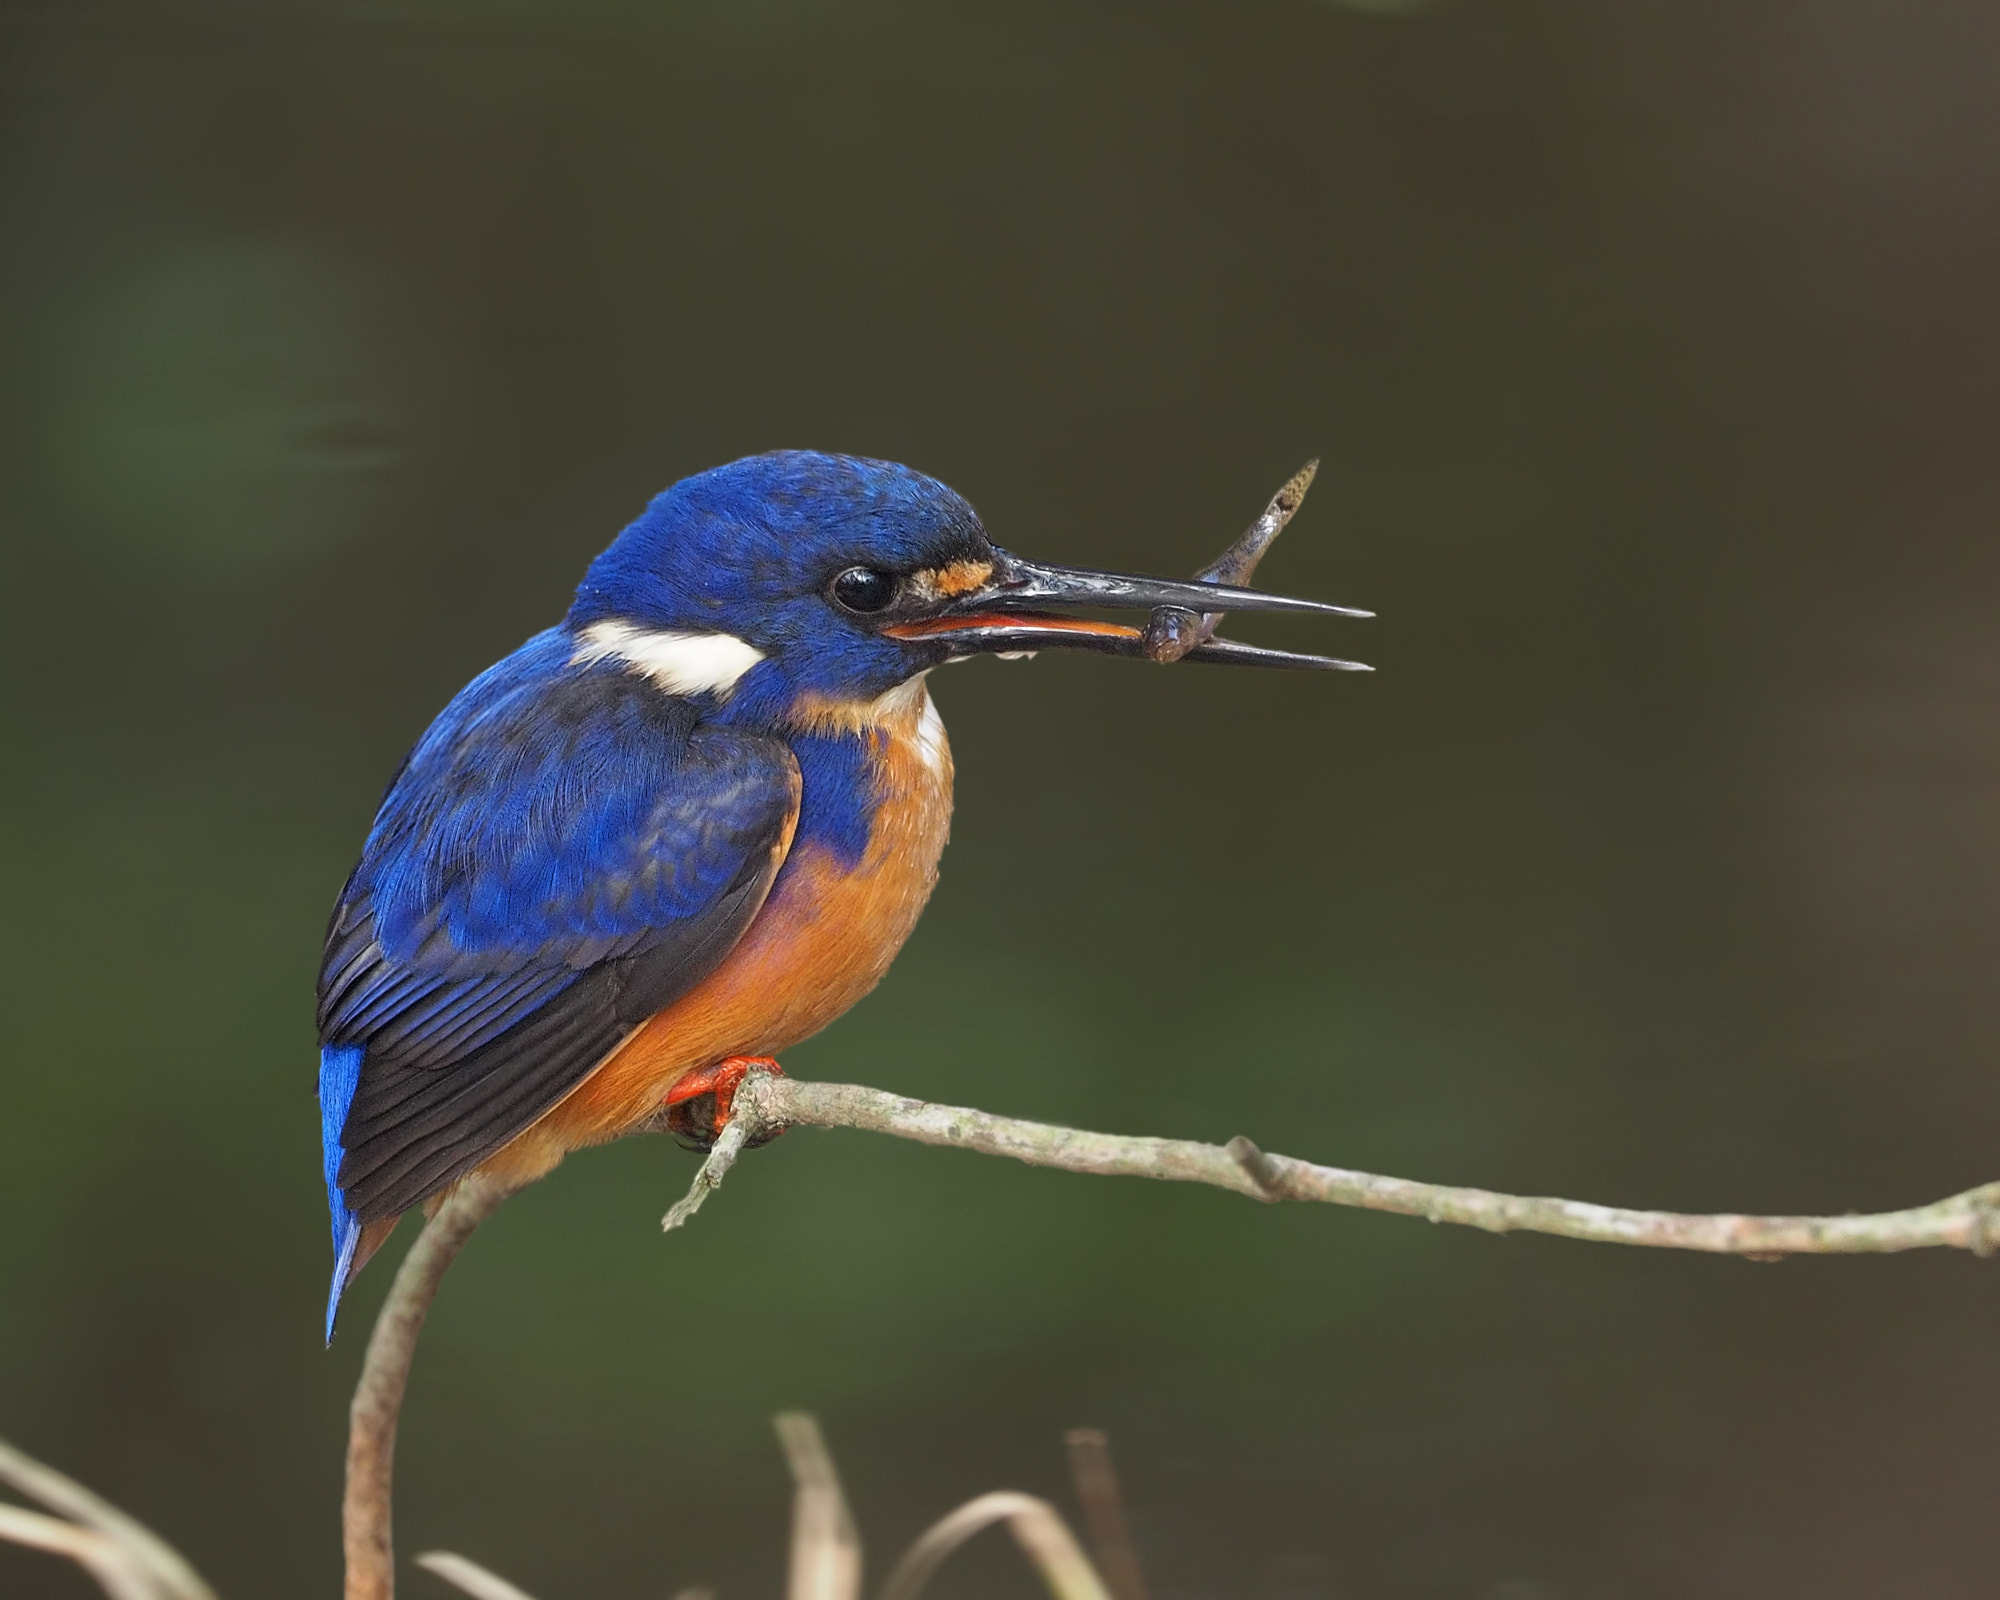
(708, 1178)
(1172, 632)
(469, 1577)
(1103, 1502)
(149, 1558)
(1968, 1221)
(366, 1526)
(1042, 1535)
(826, 1546)
(117, 1573)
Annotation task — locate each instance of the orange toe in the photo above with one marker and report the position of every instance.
(697, 1123)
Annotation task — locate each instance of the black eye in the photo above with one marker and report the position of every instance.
(863, 589)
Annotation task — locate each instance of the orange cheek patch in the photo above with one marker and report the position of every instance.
(961, 577)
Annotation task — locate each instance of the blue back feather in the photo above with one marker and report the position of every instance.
(339, 1076)
(515, 820)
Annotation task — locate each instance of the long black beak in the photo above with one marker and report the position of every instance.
(1004, 615)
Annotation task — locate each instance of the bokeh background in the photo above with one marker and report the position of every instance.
(1651, 350)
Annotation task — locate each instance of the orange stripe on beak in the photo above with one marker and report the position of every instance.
(1015, 622)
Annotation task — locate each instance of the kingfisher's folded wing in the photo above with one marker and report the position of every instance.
(564, 853)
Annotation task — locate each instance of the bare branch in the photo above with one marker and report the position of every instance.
(117, 1573)
(1968, 1221)
(366, 1524)
(1096, 1481)
(721, 1157)
(826, 1546)
(134, 1550)
(469, 1577)
(1042, 1535)
(1172, 632)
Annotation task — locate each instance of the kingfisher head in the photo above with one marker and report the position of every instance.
(797, 585)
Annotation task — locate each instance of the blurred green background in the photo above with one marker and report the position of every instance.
(1651, 350)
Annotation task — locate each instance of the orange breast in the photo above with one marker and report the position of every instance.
(821, 942)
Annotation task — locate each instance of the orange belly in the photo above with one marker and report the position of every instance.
(822, 941)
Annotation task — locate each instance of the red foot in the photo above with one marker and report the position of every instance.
(722, 1081)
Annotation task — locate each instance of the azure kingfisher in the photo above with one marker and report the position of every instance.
(681, 830)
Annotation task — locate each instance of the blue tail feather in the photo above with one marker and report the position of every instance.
(339, 1076)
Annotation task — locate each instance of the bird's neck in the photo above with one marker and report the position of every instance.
(855, 756)
(900, 712)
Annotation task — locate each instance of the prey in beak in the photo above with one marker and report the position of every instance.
(1006, 610)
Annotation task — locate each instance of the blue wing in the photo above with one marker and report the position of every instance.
(565, 851)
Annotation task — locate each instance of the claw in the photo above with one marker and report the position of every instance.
(699, 1104)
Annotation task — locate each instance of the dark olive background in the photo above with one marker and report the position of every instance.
(1651, 350)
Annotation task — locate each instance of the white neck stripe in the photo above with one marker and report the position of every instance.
(680, 663)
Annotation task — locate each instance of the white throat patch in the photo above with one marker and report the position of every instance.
(899, 702)
(930, 736)
(680, 663)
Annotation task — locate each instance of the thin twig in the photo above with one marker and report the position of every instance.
(1103, 1502)
(1042, 1535)
(1171, 631)
(721, 1157)
(1968, 1221)
(366, 1523)
(469, 1577)
(153, 1562)
(116, 1572)
(826, 1546)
